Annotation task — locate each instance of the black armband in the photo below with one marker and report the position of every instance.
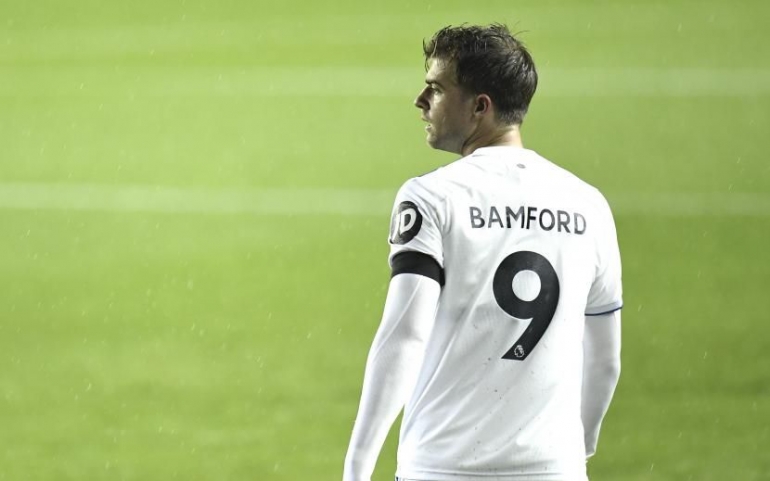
(411, 262)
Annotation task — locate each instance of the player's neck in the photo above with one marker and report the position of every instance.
(508, 136)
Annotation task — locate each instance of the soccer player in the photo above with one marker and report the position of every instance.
(500, 337)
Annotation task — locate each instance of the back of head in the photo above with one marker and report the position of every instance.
(488, 60)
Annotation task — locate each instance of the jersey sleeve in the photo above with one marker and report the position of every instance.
(416, 223)
(606, 293)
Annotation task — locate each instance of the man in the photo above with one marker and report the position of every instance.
(500, 336)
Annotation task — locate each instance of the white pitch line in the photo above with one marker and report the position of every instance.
(361, 202)
(691, 204)
(157, 199)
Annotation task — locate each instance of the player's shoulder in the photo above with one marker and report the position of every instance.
(441, 181)
(568, 181)
(565, 176)
(434, 185)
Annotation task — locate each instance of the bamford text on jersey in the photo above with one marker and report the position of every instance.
(528, 217)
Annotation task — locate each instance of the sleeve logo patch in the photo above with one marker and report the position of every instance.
(405, 224)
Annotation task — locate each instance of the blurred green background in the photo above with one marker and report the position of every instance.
(194, 201)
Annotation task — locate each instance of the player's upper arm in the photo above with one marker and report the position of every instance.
(416, 232)
(606, 293)
(602, 339)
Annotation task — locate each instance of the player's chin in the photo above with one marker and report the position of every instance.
(431, 139)
(437, 142)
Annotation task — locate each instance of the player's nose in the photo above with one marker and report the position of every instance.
(420, 101)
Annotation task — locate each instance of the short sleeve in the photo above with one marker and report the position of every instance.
(606, 293)
(415, 224)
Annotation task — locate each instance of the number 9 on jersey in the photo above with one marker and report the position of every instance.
(540, 310)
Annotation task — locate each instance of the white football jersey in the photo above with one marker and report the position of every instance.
(527, 250)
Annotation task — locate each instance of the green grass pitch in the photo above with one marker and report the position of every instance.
(157, 322)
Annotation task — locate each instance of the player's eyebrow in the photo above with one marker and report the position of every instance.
(430, 82)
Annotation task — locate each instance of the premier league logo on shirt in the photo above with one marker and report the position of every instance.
(405, 224)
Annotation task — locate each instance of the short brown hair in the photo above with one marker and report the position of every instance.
(488, 60)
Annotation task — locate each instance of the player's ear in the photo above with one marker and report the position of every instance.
(483, 104)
